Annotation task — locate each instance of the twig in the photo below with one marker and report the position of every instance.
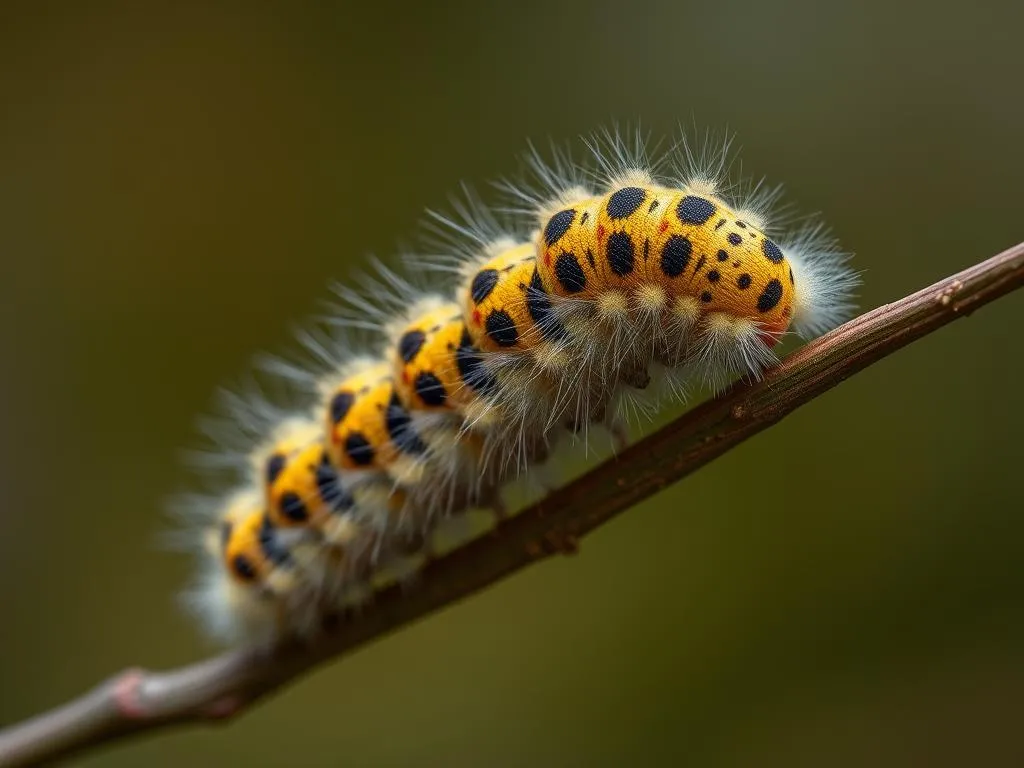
(138, 701)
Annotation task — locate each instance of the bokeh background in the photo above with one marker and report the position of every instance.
(179, 182)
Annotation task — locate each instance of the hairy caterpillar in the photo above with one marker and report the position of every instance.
(611, 281)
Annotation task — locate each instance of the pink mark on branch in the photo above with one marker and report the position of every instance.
(126, 694)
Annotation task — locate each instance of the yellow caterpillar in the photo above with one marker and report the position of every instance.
(611, 283)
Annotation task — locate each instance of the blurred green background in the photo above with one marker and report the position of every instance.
(178, 184)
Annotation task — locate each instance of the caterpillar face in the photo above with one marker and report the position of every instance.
(642, 248)
(367, 425)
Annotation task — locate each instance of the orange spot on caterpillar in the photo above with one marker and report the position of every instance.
(476, 317)
(662, 227)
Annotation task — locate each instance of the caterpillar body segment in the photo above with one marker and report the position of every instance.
(254, 586)
(665, 276)
(304, 491)
(654, 246)
(670, 274)
(308, 498)
(425, 356)
(368, 428)
(439, 380)
(545, 386)
(371, 432)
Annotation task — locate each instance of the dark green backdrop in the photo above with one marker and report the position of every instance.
(178, 184)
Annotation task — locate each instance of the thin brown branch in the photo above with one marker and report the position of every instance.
(137, 701)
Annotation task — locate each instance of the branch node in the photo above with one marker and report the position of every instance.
(127, 696)
(945, 296)
(558, 541)
(570, 545)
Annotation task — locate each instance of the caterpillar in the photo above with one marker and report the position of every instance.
(599, 289)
